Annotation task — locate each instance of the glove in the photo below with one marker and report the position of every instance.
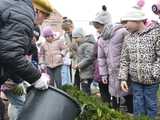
(124, 86)
(43, 82)
(19, 90)
(43, 67)
(104, 79)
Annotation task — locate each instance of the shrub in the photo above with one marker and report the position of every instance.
(94, 109)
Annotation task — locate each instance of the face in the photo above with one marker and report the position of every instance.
(98, 27)
(68, 29)
(132, 26)
(49, 38)
(40, 17)
(77, 39)
(34, 40)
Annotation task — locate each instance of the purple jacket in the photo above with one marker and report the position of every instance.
(109, 52)
(96, 74)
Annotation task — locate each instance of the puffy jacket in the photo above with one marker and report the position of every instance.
(52, 54)
(16, 31)
(140, 59)
(109, 52)
(86, 57)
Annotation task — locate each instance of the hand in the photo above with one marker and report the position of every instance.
(9, 85)
(43, 67)
(19, 90)
(43, 82)
(75, 66)
(104, 79)
(124, 86)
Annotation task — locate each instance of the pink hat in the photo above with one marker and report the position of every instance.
(48, 31)
(140, 3)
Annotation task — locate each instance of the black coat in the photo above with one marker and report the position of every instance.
(16, 31)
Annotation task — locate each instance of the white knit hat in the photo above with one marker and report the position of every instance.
(103, 17)
(135, 14)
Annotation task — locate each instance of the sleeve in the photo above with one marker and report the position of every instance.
(73, 50)
(88, 56)
(63, 48)
(102, 65)
(156, 64)
(124, 62)
(42, 55)
(19, 68)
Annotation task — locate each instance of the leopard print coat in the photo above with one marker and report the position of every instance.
(140, 57)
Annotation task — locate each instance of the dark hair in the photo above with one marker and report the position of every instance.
(66, 20)
(46, 14)
(104, 8)
(66, 23)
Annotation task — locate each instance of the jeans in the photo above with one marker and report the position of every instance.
(55, 75)
(2, 110)
(16, 104)
(66, 76)
(145, 99)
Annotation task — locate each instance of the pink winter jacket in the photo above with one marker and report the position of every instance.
(52, 54)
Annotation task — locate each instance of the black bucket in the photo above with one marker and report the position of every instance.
(50, 104)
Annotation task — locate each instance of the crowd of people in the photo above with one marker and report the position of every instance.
(124, 60)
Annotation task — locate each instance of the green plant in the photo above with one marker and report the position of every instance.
(94, 109)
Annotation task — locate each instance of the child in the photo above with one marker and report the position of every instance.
(140, 62)
(51, 55)
(85, 53)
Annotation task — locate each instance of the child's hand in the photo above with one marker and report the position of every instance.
(9, 85)
(75, 66)
(124, 86)
(104, 79)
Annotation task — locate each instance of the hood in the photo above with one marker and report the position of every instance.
(109, 30)
(115, 28)
(154, 25)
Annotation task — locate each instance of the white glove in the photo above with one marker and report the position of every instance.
(43, 82)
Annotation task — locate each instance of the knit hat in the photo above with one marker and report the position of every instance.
(47, 31)
(135, 14)
(78, 33)
(43, 5)
(36, 32)
(103, 17)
